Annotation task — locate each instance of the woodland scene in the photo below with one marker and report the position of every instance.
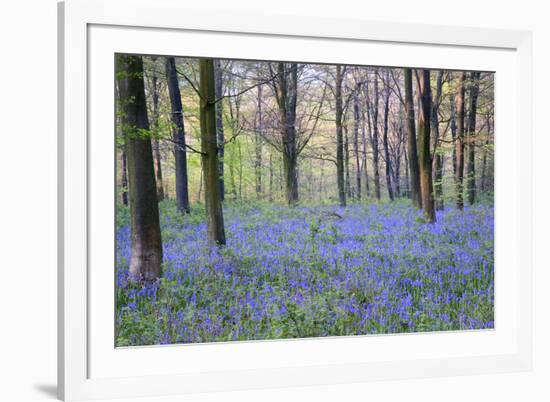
(275, 199)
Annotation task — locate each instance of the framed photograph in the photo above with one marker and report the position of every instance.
(254, 201)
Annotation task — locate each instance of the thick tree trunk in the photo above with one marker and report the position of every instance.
(180, 151)
(459, 142)
(412, 152)
(438, 156)
(219, 124)
(287, 92)
(146, 255)
(340, 179)
(385, 141)
(155, 130)
(356, 123)
(209, 149)
(471, 170)
(424, 156)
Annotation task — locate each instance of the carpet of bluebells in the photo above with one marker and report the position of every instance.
(308, 272)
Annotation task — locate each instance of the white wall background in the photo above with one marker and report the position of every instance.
(28, 199)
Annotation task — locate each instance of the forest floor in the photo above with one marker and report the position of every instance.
(310, 271)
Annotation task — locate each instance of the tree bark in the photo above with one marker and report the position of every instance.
(270, 176)
(219, 125)
(178, 133)
(146, 254)
(209, 153)
(347, 181)
(258, 133)
(459, 142)
(364, 142)
(287, 93)
(356, 123)
(385, 141)
(155, 126)
(424, 156)
(124, 179)
(471, 170)
(340, 179)
(438, 156)
(374, 138)
(412, 152)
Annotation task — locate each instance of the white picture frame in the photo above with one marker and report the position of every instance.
(90, 367)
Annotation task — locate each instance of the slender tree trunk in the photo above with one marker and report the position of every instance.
(258, 145)
(270, 177)
(385, 141)
(484, 186)
(180, 151)
(438, 156)
(219, 124)
(397, 164)
(407, 178)
(459, 142)
(209, 149)
(356, 122)
(453, 131)
(471, 170)
(424, 156)
(146, 255)
(346, 159)
(155, 128)
(412, 153)
(340, 179)
(124, 179)
(364, 142)
(240, 153)
(374, 138)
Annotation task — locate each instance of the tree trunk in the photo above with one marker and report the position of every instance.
(424, 156)
(180, 151)
(258, 145)
(146, 254)
(364, 141)
(374, 138)
(124, 179)
(412, 153)
(459, 142)
(340, 179)
(356, 122)
(407, 178)
(385, 141)
(219, 124)
(270, 176)
(471, 170)
(438, 156)
(155, 130)
(346, 159)
(484, 180)
(287, 92)
(453, 131)
(209, 150)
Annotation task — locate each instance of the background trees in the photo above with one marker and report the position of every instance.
(232, 131)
